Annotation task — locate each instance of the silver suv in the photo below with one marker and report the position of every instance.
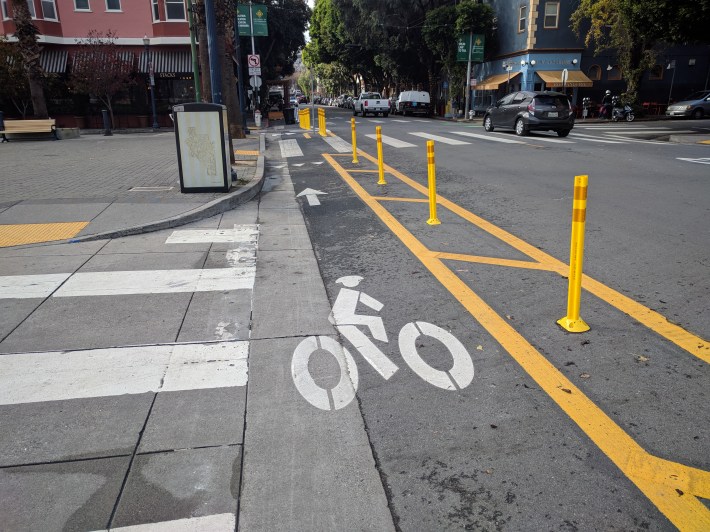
(531, 111)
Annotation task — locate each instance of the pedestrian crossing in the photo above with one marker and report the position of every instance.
(403, 139)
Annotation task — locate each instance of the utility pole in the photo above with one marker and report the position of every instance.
(215, 64)
(468, 74)
(253, 52)
(193, 51)
(240, 74)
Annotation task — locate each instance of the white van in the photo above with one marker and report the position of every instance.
(414, 102)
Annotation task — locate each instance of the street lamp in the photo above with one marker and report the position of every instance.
(146, 43)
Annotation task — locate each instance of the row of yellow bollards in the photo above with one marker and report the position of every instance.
(572, 321)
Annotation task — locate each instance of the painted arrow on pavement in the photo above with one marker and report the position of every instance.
(311, 196)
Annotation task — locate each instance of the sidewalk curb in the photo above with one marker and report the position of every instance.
(214, 207)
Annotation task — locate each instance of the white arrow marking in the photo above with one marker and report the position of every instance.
(311, 196)
(321, 162)
(298, 164)
(702, 160)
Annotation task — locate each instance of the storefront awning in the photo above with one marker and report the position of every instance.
(493, 82)
(167, 61)
(575, 78)
(54, 61)
(81, 56)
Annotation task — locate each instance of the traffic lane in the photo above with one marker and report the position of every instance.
(462, 469)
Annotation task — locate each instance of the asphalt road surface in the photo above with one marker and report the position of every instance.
(546, 430)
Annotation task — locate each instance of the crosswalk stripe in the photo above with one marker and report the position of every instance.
(192, 524)
(30, 286)
(395, 143)
(487, 137)
(61, 375)
(290, 148)
(338, 144)
(549, 139)
(582, 136)
(438, 138)
(240, 233)
(402, 121)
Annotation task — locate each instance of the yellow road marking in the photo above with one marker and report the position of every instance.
(653, 320)
(16, 235)
(410, 200)
(672, 487)
(492, 260)
(246, 152)
(365, 171)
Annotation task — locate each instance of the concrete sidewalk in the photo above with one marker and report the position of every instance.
(105, 187)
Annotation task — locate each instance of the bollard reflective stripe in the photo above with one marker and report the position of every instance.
(354, 136)
(431, 167)
(572, 322)
(380, 161)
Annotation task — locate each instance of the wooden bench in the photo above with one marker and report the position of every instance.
(29, 126)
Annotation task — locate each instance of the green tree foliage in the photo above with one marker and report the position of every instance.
(26, 33)
(14, 85)
(636, 29)
(99, 70)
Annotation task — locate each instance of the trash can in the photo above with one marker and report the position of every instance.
(202, 139)
(289, 115)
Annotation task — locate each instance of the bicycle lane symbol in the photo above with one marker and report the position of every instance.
(346, 320)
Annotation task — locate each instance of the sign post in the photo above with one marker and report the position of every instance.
(470, 49)
(565, 75)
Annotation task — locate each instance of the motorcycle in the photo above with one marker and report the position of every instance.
(621, 112)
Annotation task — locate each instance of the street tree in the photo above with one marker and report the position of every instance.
(100, 70)
(14, 85)
(637, 29)
(26, 33)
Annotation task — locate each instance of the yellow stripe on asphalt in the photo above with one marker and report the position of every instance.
(246, 152)
(16, 235)
(674, 488)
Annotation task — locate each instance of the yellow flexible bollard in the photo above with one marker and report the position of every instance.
(572, 322)
(321, 122)
(380, 161)
(431, 165)
(352, 127)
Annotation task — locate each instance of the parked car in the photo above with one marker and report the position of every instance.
(531, 111)
(697, 105)
(414, 102)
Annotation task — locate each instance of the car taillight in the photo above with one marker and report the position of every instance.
(531, 107)
(365, 103)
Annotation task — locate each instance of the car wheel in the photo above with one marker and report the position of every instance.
(488, 123)
(562, 132)
(697, 114)
(364, 113)
(520, 128)
(354, 112)
(385, 114)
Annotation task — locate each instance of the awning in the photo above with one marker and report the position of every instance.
(575, 78)
(493, 82)
(54, 61)
(167, 61)
(79, 56)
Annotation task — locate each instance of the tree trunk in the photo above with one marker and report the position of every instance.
(229, 86)
(203, 52)
(26, 33)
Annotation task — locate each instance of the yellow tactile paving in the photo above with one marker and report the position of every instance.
(246, 152)
(16, 235)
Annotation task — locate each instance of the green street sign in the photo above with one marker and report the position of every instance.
(259, 19)
(476, 51)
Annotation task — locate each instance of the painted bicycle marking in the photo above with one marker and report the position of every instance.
(346, 319)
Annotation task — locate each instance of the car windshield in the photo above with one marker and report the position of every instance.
(371, 96)
(697, 96)
(554, 101)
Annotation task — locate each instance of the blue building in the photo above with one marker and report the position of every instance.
(537, 50)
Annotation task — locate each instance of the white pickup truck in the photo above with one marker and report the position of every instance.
(371, 102)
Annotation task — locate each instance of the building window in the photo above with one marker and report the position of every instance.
(3, 7)
(614, 73)
(31, 6)
(113, 5)
(82, 5)
(552, 14)
(156, 11)
(595, 72)
(522, 20)
(49, 10)
(174, 10)
(656, 72)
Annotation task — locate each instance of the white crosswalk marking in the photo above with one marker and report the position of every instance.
(549, 139)
(240, 233)
(338, 144)
(57, 376)
(290, 148)
(402, 121)
(589, 138)
(391, 141)
(219, 522)
(30, 286)
(487, 137)
(375, 121)
(438, 138)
